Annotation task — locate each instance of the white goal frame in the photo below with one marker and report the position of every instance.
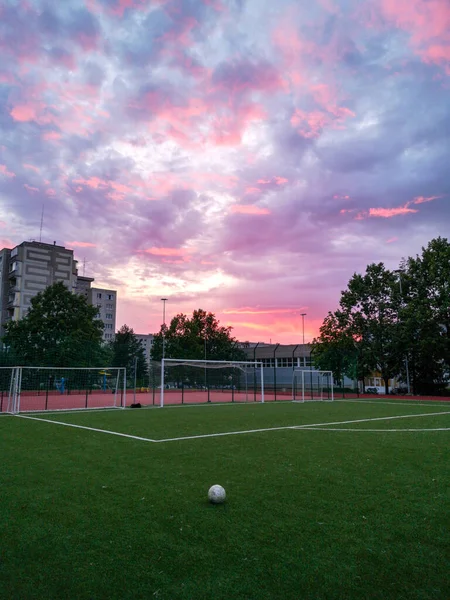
(214, 364)
(16, 388)
(321, 377)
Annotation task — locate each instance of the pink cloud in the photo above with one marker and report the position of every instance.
(51, 136)
(249, 209)
(387, 213)
(427, 21)
(32, 167)
(4, 171)
(30, 188)
(23, 113)
(167, 252)
(81, 244)
(259, 311)
(423, 199)
(392, 240)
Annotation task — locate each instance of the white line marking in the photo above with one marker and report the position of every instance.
(308, 426)
(372, 419)
(443, 403)
(126, 435)
(209, 435)
(372, 430)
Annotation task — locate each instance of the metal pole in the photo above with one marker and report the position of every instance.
(135, 377)
(163, 300)
(408, 386)
(303, 315)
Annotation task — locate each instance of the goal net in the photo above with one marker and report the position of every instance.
(59, 388)
(8, 381)
(312, 385)
(196, 381)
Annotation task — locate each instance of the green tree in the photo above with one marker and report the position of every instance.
(362, 336)
(425, 316)
(197, 338)
(127, 351)
(60, 329)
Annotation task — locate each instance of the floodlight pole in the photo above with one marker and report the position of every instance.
(163, 300)
(408, 386)
(303, 315)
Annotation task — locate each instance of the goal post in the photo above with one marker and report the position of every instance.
(67, 388)
(311, 385)
(195, 381)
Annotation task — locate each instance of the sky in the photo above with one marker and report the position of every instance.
(246, 157)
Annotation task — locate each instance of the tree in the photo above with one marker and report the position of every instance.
(198, 338)
(335, 349)
(362, 336)
(127, 351)
(60, 329)
(425, 315)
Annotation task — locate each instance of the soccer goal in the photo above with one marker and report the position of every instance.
(195, 381)
(8, 388)
(59, 388)
(312, 385)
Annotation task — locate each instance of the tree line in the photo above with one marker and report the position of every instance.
(394, 322)
(62, 329)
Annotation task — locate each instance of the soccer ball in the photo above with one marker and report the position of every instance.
(216, 494)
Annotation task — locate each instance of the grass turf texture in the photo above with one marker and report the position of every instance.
(310, 514)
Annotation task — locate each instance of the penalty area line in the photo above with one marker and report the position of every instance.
(125, 435)
(353, 430)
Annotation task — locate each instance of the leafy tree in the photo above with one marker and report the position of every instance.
(198, 337)
(425, 315)
(60, 329)
(335, 349)
(361, 336)
(127, 351)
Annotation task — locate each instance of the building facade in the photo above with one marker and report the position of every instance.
(106, 302)
(146, 340)
(31, 267)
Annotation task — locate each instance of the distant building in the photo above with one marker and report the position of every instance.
(146, 340)
(30, 267)
(106, 303)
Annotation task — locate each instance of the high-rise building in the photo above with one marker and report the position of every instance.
(146, 340)
(30, 267)
(106, 303)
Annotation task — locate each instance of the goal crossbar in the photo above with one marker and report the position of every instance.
(242, 365)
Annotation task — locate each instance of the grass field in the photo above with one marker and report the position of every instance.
(343, 500)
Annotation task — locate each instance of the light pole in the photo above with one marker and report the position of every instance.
(163, 300)
(408, 386)
(303, 315)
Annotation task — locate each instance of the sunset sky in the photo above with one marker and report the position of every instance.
(241, 156)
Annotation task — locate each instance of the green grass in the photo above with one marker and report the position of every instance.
(310, 514)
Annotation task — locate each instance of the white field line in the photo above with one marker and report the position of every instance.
(410, 403)
(352, 429)
(308, 426)
(126, 435)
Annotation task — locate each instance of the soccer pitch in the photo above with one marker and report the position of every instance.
(342, 500)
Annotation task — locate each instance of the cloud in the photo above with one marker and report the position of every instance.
(225, 151)
(249, 209)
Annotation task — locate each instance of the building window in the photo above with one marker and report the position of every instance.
(109, 296)
(99, 295)
(108, 316)
(108, 326)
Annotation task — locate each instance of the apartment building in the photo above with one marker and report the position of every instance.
(146, 340)
(106, 303)
(32, 266)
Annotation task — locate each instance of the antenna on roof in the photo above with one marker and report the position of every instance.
(42, 223)
(84, 266)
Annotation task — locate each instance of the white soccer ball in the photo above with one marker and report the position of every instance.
(216, 494)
